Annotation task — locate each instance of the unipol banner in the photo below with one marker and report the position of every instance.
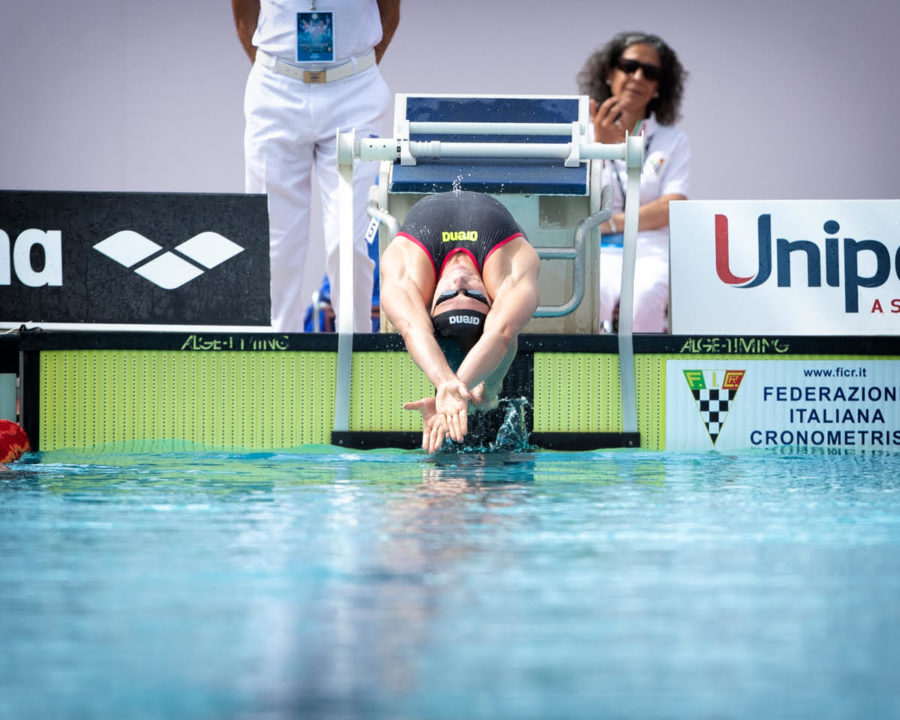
(785, 267)
(134, 258)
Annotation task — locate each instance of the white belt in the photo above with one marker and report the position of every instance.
(317, 75)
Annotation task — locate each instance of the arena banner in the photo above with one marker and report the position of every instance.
(743, 404)
(785, 267)
(133, 258)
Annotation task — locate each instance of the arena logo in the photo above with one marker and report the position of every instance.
(171, 269)
(855, 253)
(16, 258)
(464, 320)
(460, 236)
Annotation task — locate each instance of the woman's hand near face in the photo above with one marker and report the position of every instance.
(608, 122)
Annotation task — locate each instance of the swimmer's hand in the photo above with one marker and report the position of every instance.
(452, 402)
(482, 399)
(434, 427)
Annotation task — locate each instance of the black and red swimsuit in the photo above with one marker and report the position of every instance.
(459, 221)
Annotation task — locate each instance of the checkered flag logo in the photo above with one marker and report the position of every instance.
(713, 399)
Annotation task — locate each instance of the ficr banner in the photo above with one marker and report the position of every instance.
(134, 258)
(744, 404)
(785, 267)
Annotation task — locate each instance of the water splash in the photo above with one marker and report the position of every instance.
(512, 435)
(513, 432)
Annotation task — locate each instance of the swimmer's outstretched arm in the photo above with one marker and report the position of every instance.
(484, 394)
(405, 301)
(515, 300)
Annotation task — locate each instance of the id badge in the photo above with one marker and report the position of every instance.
(315, 36)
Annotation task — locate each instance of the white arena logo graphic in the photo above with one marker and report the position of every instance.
(169, 270)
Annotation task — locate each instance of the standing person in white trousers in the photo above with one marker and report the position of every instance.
(314, 70)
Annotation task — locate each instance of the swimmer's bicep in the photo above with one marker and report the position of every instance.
(517, 295)
(402, 296)
(513, 306)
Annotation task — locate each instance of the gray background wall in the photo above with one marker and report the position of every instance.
(786, 98)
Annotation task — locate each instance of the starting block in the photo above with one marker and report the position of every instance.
(535, 154)
(536, 172)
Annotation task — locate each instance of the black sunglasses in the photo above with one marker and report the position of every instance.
(630, 67)
(450, 294)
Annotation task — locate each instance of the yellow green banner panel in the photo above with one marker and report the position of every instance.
(577, 390)
(249, 400)
(381, 383)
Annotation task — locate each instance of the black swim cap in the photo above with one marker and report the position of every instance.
(464, 327)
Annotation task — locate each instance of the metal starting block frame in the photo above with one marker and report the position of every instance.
(535, 155)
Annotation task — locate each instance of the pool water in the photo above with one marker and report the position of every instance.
(391, 584)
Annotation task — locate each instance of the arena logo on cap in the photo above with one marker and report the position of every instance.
(171, 269)
(464, 320)
(855, 253)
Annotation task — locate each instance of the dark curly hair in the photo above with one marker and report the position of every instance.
(592, 76)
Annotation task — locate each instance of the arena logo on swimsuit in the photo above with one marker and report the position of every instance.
(461, 236)
(855, 253)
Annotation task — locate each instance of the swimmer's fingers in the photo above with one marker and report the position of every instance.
(457, 424)
(463, 421)
(425, 406)
(430, 418)
(452, 426)
(426, 439)
(433, 437)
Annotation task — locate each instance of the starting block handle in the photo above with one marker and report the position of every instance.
(635, 155)
(577, 254)
(346, 143)
(382, 215)
(408, 151)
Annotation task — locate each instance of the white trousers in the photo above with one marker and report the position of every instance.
(290, 128)
(651, 285)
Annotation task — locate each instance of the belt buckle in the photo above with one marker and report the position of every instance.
(314, 76)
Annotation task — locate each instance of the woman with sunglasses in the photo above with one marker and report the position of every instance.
(459, 282)
(635, 84)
